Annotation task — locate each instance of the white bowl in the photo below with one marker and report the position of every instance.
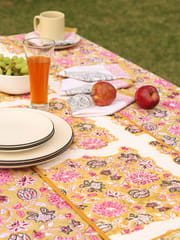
(14, 84)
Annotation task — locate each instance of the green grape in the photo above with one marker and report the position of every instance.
(15, 66)
(8, 72)
(1, 56)
(18, 65)
(15, 72)
(7, 60)
(14, 58)
(2, 64)
(20, 60)
(24, 70)
(7, 67)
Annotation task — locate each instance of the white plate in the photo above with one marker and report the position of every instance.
(60, 141)
(65, 44)
(76, 41)
(21, 129)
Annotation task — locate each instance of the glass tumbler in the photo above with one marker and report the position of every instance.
(39, 52)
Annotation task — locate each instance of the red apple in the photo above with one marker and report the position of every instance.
(103, 93)
(147, 96)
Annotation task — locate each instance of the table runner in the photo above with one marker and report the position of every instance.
(121, 172)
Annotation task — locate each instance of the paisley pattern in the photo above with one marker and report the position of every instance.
(89, 76)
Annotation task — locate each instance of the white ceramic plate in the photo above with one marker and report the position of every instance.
(21, 129)
(60, 141)
(76, 41)
(57, 47)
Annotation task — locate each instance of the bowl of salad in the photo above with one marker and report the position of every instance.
(14, 77)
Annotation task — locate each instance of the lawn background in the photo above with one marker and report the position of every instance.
(146, 32)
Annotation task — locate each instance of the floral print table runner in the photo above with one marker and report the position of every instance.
(120, 177)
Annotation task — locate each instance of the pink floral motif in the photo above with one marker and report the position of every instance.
(143, 218)
(77, 196)
(163, 83)
(69, 120)
(19, 236)
(138, 207)
(138, 227)
(38, 235)
(64, 238)
(162, 197)
(108, 54)
(55, 199)
(93, 143)
(27, 194)
(128, 115)
(109, 209)
(171, 104)
(43, 189)
(175, 129)
(145, 164)
(44, 215)
(111, 193)
(117, 71)
(20, 214)
(126, 186)
(91, 194)
(64, 61)
(1, 221)
(94, 237)
(142, 178)
(73, 165)
(166, 175)
(92, 174)
(66, 176)
(25, 180)
(5, 176)
(177, 208)
(18, 226)
(17, 206)
(126, 230)
(100, 132)
(69, 215)
(145, 119)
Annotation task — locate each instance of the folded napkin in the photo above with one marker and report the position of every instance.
(82, 105)
(98, 72)
(78, 85)
(69, 37)
(70, 86)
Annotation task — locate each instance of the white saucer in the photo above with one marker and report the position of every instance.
(75, 42)
(62, 44)
(59, 142)
(21, 129)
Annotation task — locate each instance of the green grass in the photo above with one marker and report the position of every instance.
(146, 32)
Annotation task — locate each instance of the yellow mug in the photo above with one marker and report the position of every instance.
(50, 24)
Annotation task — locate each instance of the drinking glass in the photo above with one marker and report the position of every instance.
(39, 52)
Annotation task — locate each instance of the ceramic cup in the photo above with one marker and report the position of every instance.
(50, 24)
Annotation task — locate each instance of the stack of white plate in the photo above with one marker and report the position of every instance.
(30, 137)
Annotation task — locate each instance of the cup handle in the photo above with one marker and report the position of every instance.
(36, 27)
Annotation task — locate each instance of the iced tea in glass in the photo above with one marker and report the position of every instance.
(38, 53)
